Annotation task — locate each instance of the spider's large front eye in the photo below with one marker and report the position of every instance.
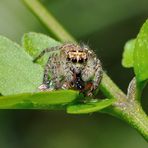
(74, 60)
(81, 61)
(68, 59)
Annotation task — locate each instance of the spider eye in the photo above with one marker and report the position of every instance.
(74, 60)
(68, 59)
(81, 61)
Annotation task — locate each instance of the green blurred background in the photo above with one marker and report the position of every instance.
(105, 26)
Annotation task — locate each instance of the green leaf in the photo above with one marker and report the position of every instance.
(17, 72)
(141, 54)
(39, 100)
(127, 60)
(89, 107)
(34, 43)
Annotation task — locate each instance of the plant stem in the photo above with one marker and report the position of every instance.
(130, 112)
(133, 114)
(136, 117)
(49, 21)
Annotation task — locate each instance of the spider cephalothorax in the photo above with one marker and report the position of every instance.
(75, 67)
(75, 53)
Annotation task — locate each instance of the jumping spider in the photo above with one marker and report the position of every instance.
(75, 67)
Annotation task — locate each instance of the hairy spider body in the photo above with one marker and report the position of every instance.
(75, 67)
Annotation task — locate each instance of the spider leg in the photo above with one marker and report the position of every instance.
(98, 74)
(59, 77)
(92, 74)
(45, 51)
(46, 81)
(46, 73)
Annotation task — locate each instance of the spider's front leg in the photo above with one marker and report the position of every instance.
(52, 75)
(68, 76)
(92, 74)
(98, 74)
